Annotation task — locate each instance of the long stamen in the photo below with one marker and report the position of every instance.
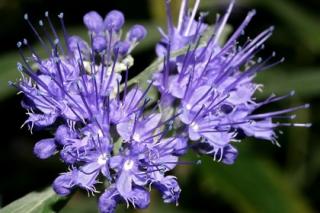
(169, 18)
(191, 18)
(64, 30)
(270, 114)
(55, 34)
(240, 29)
(26, 17)
(223, 22)
(182, 13)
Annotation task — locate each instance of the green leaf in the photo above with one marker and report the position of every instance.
(252, 185)
(8, 73)
(158, 12)
(81, 203)
(46, 201)
(298, 21)
(305, 81)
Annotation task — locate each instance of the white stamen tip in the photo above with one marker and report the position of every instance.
(308, 124)
(19, 44)
(26, 17)
(56, 41)
(307, 106)
(253, 12)
(61, 15)
(259, 60)
(25, 41)
(293, 117)
(19, 66)
(46, 14)
(292, 93)
(41, 23)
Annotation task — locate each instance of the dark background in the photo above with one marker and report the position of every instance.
(264, 179)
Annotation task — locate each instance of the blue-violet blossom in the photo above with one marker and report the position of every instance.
(112, 133)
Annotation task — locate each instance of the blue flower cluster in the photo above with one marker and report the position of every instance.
(110, 133)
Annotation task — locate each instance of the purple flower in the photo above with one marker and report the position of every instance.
(137, 33)
(213, 84)
(108, 200)
(110, 132)
(114, 20)
(93, 21)
(169, 189)
(45, 148)
(62, 184)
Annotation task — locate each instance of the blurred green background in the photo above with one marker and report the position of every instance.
(265, 178)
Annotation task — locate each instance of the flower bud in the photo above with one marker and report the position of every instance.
(137, 33)
(62, 134)
(121, 48)
(114, 20)
(99, 43)
(75, 43)
(45, 148)
(230, 154)
(62, 184)
(107, 201)
(93, 21)
(141, 197)
(169, 189)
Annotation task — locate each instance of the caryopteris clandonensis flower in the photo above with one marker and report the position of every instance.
(213, 84)
(107, 132)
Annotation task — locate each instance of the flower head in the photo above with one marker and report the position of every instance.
(213, 83)
(112, 133)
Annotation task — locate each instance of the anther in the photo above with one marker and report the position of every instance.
(60, 15)
(259, 60)
(292, 117)
(19, 66)
(19, 44)
(56, 41)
